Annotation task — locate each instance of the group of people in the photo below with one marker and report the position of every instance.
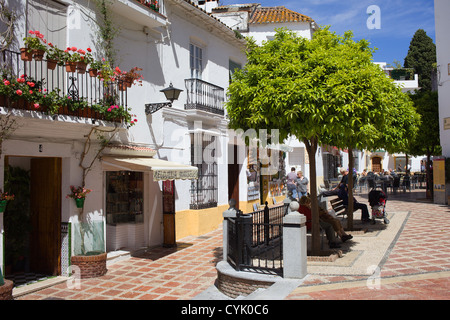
(297, 184)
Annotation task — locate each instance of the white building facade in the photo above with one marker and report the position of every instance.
(160, 178)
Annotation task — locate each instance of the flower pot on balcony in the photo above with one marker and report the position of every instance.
(38, 54)
(81, 67)
(123, 86)
(129, 82)
(93, 72)
(26, 55)
(71, 66)
(51, 64)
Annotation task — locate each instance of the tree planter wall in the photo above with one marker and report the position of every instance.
(6, 290)
(90, 266)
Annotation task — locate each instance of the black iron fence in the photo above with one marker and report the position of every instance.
(202, 95)
(255, 240)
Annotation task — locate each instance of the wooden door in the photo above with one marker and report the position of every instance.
(45, 246)
(169, 213)
(376, 164)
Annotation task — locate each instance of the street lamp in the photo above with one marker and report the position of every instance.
(171, 94)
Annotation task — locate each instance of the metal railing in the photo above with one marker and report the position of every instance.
(255, 240)
(202, 95)
(78, 85)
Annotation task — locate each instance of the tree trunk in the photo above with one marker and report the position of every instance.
(350, 189)
(311, 148)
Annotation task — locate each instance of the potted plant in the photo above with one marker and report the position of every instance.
(132, 77)
(79, 194)
(4, 198)
(94, 67)
(72, 56)
(54, 56)
(36, 44)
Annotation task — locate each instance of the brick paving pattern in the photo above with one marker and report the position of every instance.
(418, 266)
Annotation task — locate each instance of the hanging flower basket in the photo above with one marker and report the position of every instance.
(79, 194)
(4, 198)
(3, 204)
(71, 66)
(81, 67)
(51, 64)
(80, 202)
(38, 54)
(93, 72)
(25, 54)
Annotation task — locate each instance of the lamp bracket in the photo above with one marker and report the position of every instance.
(153, 107)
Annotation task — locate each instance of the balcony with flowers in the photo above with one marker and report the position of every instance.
(44, 78)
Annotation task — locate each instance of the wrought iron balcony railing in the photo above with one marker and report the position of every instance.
(33, 85)
(202, 95)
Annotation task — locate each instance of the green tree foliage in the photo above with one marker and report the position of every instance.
(427, 141)
(421, 57)
(323, 91)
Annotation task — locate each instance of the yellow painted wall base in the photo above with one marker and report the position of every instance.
(199, 222)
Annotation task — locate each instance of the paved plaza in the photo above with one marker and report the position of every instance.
(410, 260)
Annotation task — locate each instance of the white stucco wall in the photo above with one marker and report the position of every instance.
(442, 12)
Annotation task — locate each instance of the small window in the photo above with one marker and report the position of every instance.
(196, 61)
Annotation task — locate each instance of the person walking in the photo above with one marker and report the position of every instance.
(302, 184)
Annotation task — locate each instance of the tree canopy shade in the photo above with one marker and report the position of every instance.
(323, 91)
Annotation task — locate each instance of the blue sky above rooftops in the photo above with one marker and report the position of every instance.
(398, 20)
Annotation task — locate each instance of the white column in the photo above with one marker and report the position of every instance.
(294, 243)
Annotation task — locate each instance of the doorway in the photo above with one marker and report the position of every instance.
(376, 164)
(33, 244)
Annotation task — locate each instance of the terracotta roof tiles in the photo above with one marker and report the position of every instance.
(277, 15)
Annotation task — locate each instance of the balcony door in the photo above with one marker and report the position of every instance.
(45, 204)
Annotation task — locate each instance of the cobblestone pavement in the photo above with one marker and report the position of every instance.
(417, 266)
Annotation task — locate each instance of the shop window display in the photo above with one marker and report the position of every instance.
(124, 197)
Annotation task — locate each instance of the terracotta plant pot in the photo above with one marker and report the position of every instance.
(26, 55)
(90, 266)
(71, 66)
(93, 72)
(6, 290)
(81, 67)
(122, 86)
(51, 64)
(38, 55)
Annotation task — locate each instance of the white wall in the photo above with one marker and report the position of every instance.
(442, 12)
(265, 32)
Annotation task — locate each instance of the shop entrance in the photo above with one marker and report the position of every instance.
(33, 219)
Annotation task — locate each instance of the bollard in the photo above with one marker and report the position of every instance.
(294, 243)
(231, 212)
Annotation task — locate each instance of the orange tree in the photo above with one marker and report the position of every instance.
(323, 91)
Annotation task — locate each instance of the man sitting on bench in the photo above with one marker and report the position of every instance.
(343, 195)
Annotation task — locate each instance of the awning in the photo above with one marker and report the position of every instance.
(162, 169)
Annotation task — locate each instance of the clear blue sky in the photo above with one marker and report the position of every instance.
(399, 20)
